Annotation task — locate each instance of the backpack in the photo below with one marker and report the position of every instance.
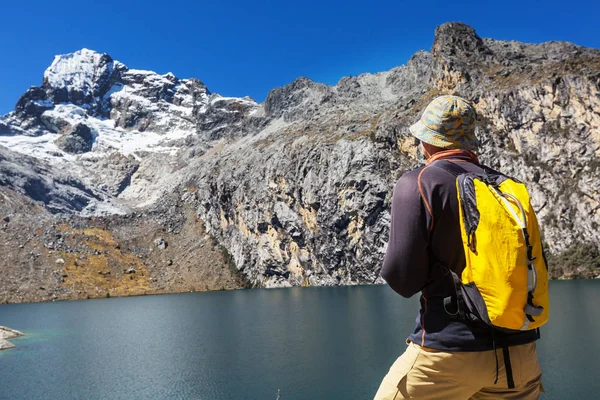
(505, 281)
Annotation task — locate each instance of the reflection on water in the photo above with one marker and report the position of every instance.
(311, 343)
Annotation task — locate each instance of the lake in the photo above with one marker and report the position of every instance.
(306, 343)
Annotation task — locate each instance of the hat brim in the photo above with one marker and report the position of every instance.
(427, 135)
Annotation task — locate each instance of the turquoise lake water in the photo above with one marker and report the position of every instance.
(306, 343)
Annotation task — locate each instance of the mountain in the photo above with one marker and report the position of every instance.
(105, 170)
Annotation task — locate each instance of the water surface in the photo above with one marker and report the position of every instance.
(308, 343)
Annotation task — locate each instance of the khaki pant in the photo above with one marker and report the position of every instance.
(422, 373)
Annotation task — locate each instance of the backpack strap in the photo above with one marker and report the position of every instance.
(456, 170)
(508, 367)
(454, 305)
(450, 167)
(456, 311)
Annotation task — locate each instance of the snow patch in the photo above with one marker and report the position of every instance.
(104, 208)
(69, 112)
(42, 147)
(44, 103)
(117, 87)
(139, 72)
(108, 138)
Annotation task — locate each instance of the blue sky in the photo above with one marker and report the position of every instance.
(241, 47)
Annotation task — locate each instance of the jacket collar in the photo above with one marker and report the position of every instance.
(459, 154)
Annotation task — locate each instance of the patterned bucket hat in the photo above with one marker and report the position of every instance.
(448, 122)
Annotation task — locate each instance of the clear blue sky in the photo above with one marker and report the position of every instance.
(241, 47)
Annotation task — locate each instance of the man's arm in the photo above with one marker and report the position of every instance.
(406, 264)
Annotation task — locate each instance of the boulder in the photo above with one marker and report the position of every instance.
(5, 344)
(160, 243)
(7, 333)
(79, 140)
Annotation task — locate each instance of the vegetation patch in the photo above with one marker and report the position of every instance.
(100, 267)
(581, 260)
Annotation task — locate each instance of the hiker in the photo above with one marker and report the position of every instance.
(448, 357)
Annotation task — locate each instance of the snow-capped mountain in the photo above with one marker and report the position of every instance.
(93, 110)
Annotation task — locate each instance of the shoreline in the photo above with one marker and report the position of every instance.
(159, 293)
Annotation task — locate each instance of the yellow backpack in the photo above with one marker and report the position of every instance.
(505, 280)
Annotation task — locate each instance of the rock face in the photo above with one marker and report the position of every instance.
(297, 189)
(48, 184)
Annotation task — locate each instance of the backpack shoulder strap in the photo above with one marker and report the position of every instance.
(456, 170)
(450, 167)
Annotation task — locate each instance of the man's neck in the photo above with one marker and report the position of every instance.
(453, 153)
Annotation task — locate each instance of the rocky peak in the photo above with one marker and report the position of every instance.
(459, 40)
(285, 101)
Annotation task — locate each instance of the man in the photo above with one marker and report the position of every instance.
(446, 358)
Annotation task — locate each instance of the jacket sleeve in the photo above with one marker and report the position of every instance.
(406, 264)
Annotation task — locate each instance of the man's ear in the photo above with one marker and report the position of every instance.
(425, 152)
